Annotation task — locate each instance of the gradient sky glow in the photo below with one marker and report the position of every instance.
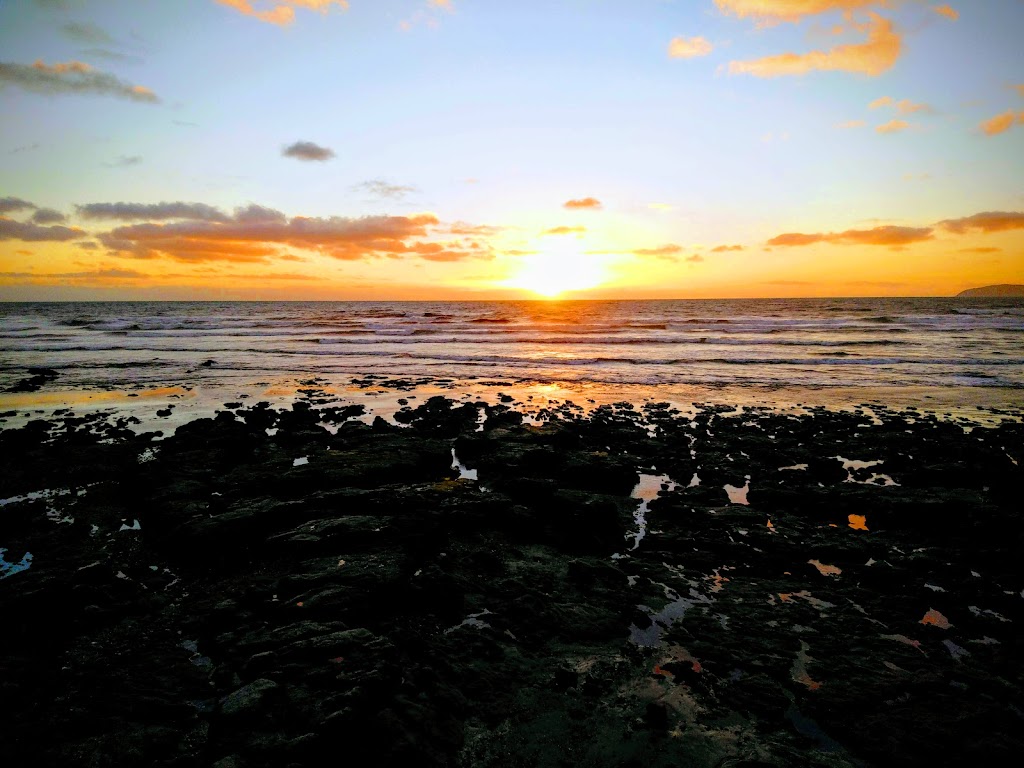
(459, 149)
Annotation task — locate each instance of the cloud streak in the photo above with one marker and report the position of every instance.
(896, 236)
(151, 211)
(873, 57)
(888, 235)
(30, 232)
(987, 221)
(384, 189)
(689, 48)
(72, 77)
(789, 10)
(280, 12)
(256, 233)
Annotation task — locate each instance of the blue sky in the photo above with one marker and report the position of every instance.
(496, 114)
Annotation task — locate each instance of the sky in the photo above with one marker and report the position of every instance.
(481, 149)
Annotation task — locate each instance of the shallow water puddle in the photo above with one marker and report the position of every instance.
(465, 473)
(738, 495)
(876, 478)
(936, 619)
(858, 522)
(473, 620)
(825, 569)
(799, 670)
(9, 569)
(672, 612)
(46, 493)
(955, 650)
(647, 491)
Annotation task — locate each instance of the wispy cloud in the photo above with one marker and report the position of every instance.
(125, 161)
(887, 235)
(386, 190)
(895, 236)
(790, 10)
(86, 33)
(280, 12)
(667, 252)
(71, 77)
(151, 212)
(727, 248)
(873, 57)
(1001, 123)
(308, 151)
(903, 107)
(893, 126)
(948, 11)
(987, 221)
(689, 47)
(852, 124)
(583, 203)
(564, 231)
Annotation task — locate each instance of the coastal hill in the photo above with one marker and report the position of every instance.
(992, 291)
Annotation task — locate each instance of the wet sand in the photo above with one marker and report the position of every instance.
(507, 581)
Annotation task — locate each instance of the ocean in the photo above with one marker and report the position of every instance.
(965, 350)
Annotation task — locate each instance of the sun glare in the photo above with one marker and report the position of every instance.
(558, 270)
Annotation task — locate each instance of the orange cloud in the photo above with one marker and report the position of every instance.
(583, 203)
(1019, 89)
(947, 11)
(790, 10)
(564, 230)
(689, 48)
(893, 126)
(887, 235)
(727, 248)
(873, 57)
(904, 106)
(255, 233)
(852, 124)
(668, 250)
(988, 221)
(1001, 123)
(280, 12)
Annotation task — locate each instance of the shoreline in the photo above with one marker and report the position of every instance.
(385, 396)
(458, 586)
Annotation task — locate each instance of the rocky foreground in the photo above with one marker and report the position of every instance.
(629, 587)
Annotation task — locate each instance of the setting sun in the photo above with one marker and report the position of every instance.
(559, 270)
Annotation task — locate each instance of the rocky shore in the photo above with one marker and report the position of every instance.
(625, 586)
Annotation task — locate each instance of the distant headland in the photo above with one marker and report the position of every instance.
(992, 291)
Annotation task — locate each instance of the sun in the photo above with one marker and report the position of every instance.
(558, 270)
